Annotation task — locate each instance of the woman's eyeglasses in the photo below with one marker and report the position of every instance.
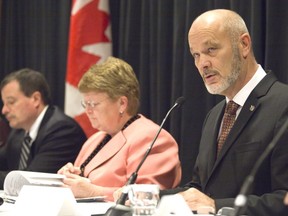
(91, 104)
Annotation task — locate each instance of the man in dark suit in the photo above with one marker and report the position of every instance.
(4, 132)
(55, 138)
(222, 49)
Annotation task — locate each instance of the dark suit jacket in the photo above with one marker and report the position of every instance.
(58, 141)
(4, 132)
(258, 122)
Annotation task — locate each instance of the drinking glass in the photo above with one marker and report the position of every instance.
(144, 199)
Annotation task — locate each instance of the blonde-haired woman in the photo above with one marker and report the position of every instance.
(111, 99)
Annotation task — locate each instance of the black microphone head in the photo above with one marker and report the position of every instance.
(180, 101)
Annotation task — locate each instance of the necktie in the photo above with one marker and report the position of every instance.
(25, 152)
(228, 122)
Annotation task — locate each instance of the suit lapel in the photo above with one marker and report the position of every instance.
(15, 146)
(212, 149)
(49, 112)
(108, 151)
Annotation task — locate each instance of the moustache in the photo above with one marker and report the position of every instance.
(207, 73)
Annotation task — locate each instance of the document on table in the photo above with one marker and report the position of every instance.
(15, 180)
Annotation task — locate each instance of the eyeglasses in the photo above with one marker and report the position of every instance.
(91, 104)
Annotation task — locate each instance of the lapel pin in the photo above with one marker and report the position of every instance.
(252, 107)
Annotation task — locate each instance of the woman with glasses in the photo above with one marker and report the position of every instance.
(109, 157)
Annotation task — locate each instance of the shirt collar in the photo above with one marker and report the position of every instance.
(35, 127)
(241, 97)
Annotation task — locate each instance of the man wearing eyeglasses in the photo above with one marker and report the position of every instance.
(42, 138)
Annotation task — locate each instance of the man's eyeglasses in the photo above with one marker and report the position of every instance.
(91, 104)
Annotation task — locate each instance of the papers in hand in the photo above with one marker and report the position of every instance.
(15, 180)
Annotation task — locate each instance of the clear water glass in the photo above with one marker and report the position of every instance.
(144, 199)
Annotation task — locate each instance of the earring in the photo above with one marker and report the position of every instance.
(121, 113)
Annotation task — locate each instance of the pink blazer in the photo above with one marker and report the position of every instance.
(119, 158)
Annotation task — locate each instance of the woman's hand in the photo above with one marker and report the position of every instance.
(69, 168)
(81, 187)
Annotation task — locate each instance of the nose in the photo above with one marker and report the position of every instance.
(204, 62)
(5, 109)
(89, 109)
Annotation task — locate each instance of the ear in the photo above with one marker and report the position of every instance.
(36, 98)
(245, 44)
(123, 104)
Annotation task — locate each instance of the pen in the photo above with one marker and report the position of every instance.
(91, 199)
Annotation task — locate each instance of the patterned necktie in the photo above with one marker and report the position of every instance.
(228, 122)
(25, 152)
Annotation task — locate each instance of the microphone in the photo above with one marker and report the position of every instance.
(133, 177)
(241, 199)
(7, 200)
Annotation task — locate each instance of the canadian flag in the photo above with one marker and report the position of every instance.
(89, 43)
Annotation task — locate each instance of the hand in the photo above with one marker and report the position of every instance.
(69, 168)
(286, 199)
(81, 187)
(198, 201)
(117, 194)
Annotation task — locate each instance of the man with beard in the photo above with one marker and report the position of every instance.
(222, 49)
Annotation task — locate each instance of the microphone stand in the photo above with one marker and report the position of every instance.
(121, 210)
(241, 199)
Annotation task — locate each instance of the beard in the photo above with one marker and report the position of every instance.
(228, 81)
